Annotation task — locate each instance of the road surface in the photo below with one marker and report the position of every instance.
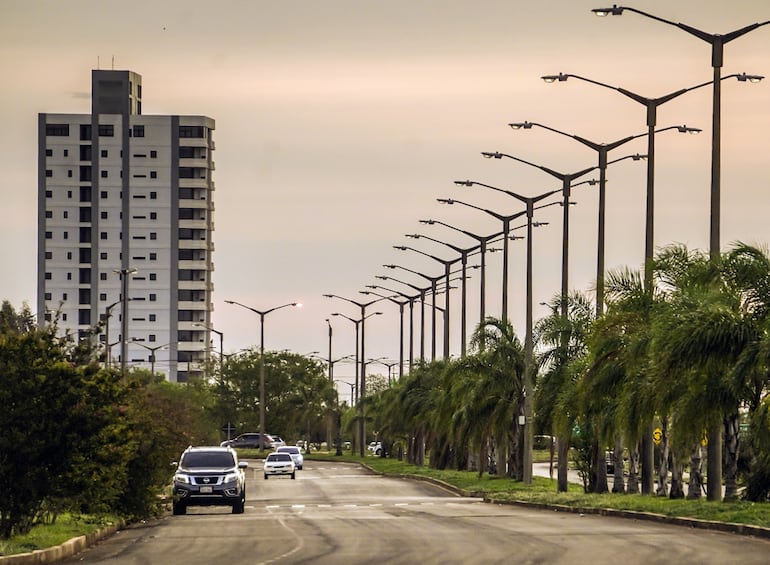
(336, 513)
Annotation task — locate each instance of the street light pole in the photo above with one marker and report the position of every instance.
(400, 304)
(124, 273)
(262, 314)
(152, 351)
(362, 391)
(107, 316)
(221, 343)
(651, 104)
(447, 266)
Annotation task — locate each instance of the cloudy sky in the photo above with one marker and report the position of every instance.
(339, 123)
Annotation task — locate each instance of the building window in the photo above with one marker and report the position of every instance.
(138, 131)
(49, 255)
(65, 214)
(103, 235)
(103, 194)
(84, 317)
(103, 215)
(61, 130)
(66, 235)
(103, 153)
(153, 174)
(69, 255)
(153, 235)
(48, 173)
(69, 194)
(64, 317)
(48, 214)
(49, 193)
(153, 276)
(106, 130)
(102, 276)
(69, 173)
(48, 296)
(84, 255)
(104, 174)
(153, 195)
(66, 152)
(85, 132)
(64, 296)
(48, 276)
(69, 276)
(103, 296)
(153, 154)
(85, 173)
(85, 194)
(191, 131)
(48, 235)
(103, 255)
(151, 317)
(153, 256)
(85, 152)
(153, 215)
(49, 152)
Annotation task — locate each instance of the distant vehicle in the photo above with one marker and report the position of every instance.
(277, 441)
(295, 453)
(248, 441)
(209, 476)
(375, 448)
(279, 464)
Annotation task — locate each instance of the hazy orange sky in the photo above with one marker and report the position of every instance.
(339, 123)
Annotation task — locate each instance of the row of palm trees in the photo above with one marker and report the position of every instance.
(684, 354)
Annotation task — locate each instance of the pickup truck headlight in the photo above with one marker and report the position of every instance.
(231, 478)
(181, 478)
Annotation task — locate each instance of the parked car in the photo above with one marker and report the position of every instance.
(295, 453)
(277, 441)
(279, 464)
(209, 476)
(249, 441)
(375, 448)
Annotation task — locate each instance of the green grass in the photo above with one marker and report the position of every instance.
(543, 491)
(42, 536)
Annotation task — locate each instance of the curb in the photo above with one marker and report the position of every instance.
(59, 552)
(727, 527)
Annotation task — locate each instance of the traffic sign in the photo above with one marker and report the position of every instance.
(657, 435)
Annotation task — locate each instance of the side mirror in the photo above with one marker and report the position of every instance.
(243, 464)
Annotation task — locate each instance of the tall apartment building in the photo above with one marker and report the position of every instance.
(122, 194)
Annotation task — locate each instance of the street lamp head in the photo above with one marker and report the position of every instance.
(464, 182)
(382, 277)
(413, 235)
(328, 296)
(428, 222)
(685, 129)
(635, 157)
(400, 247)
(538, 224)
(604, 12)
(561, 77)
(749, 78)
(523, 125)
(390, 266)
(445, 201)
(372, 286)
(491, 155)
(297, 304)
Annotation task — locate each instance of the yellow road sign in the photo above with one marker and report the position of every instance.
(657, 435)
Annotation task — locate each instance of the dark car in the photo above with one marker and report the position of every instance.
(209, 476)
(248, 441)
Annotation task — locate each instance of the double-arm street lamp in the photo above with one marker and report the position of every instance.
(602, 150)
(447, 268)
(107, 316)
(124, 273)
(410, 300)
(651, 104)
(152, 351)
(362, 390)
(400, 304)
(464, 253)
(262, 314)
(717, 42)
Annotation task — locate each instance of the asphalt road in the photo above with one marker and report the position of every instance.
(338, 513)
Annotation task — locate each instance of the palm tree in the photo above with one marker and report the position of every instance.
(561, 343)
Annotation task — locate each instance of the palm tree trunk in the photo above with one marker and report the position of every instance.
(600, 468)
(617, 483)
(562, 444)
(695, 485)
(633, 471)
(662, 489)
(731, 457)
(677, 486)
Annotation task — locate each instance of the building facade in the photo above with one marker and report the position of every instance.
(125, 223)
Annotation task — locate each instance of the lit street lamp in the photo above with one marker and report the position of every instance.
(262, 314)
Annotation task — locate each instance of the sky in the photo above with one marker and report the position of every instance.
(340, 122)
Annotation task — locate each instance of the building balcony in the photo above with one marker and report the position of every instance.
(194, 183)
(201, 265)
(193, 305)
(194, 224)
(194, 285)
(195, 163)
(196, 244)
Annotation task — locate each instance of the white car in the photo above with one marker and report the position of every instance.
(279, 464)
(278, 442)
(375, 448)
(295, 453)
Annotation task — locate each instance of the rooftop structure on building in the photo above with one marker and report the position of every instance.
(125, 224)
